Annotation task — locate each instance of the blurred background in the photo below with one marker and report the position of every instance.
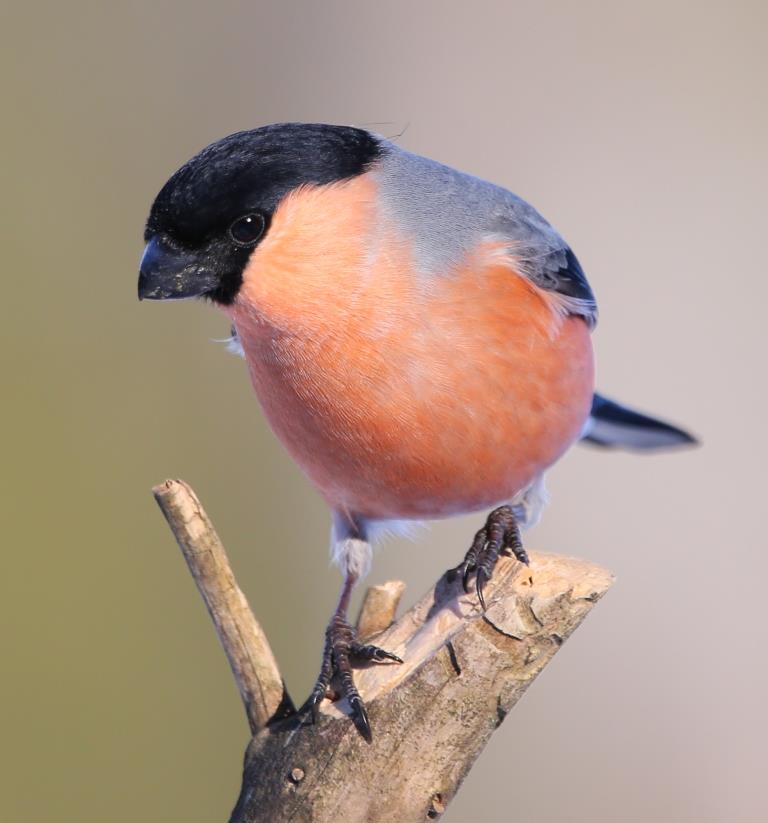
(640, 131)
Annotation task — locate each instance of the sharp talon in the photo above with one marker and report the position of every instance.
(480, 579)
(465, 579)
(380, 656)
(373, 653)
(360, 718)
(314, 707)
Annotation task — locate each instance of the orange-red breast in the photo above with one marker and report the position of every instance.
(419, 339)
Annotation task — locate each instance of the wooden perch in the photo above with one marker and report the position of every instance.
(246, 646)
(431, 716)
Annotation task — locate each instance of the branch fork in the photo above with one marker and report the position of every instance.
(464, 670)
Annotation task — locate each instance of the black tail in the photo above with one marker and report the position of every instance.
(611, 425)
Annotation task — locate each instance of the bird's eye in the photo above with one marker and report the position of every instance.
(246, 230)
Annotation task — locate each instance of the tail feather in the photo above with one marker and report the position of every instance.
(613, 426)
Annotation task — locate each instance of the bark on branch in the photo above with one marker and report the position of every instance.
(431, 716)
(245, 644)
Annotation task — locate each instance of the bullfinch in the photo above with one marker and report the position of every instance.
(418, 338)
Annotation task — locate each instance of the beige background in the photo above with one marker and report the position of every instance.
(640, 131)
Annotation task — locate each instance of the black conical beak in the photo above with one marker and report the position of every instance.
(170, 273)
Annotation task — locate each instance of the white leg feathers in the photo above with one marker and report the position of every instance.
(350, 549)
(353, 556)
(529, 504)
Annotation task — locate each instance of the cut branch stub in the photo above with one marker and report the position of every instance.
(379, 608)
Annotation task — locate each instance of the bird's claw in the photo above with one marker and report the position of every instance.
(360, 717)
(481, 577)
(499, 533)
(373, 653)
(341, 646)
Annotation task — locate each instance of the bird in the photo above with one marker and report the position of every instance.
(418, 339)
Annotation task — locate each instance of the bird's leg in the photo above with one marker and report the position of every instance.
(499, 533)
(341, 643)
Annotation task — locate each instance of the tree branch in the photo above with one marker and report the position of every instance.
(464, 670)
(245, 644)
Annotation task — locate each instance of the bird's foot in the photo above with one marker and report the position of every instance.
(500, 534)
(341, 648)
